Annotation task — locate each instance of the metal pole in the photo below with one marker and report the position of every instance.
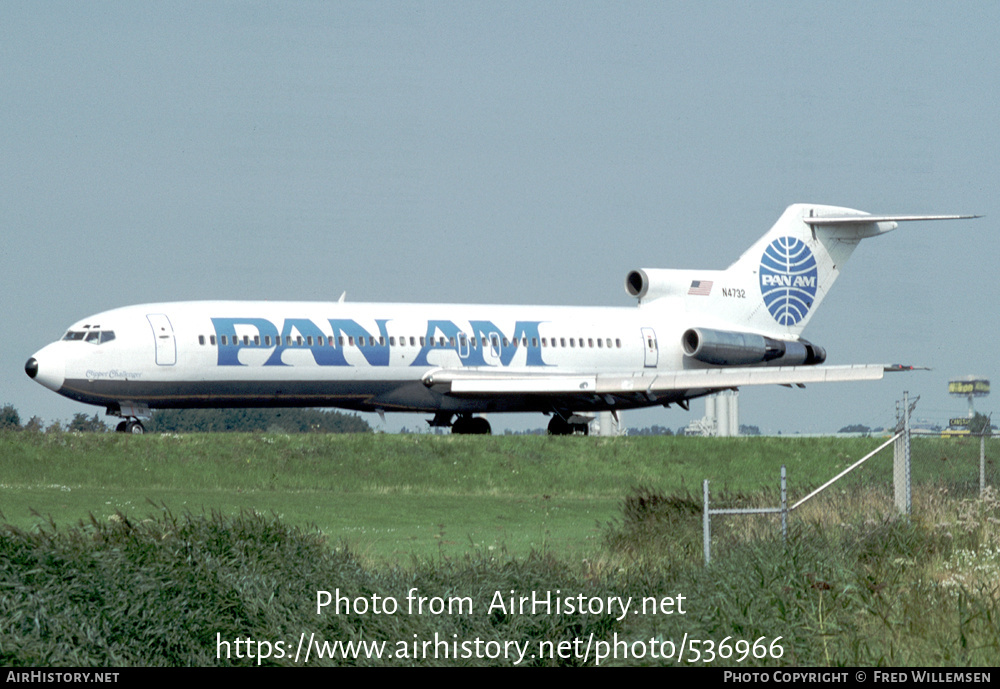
(987, 428)
(906, 422)
(784, 505)
(706, 526)
(982, 462)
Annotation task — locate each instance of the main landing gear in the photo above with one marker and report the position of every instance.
(471, 425)
(572, 425)
(465, 424)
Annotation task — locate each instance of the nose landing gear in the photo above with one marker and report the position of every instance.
(131, 426)
(129, 412)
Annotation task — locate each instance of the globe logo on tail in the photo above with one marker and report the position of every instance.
(788, 280)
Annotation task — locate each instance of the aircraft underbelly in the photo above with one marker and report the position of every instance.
(361, 395)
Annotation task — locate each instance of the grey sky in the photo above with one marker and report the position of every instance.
(514, 153)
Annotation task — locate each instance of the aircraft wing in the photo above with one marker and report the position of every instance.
(474, 383)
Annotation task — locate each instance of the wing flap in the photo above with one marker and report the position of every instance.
(721, 378)
(525, 385)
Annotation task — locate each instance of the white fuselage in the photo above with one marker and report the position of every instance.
(349, 355)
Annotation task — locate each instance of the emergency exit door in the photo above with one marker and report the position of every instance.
(652, 351)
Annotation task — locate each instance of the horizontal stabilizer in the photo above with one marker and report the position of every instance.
(869, 219)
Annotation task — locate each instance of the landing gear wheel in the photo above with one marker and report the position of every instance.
(134, 427)
(120, 428)
(560, 426)
(471, 425)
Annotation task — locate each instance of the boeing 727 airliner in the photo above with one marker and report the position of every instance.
(692, 333)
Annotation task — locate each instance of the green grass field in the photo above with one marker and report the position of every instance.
(395, 496)
(853, 584)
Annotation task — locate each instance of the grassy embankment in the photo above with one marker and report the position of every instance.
(477, 515)
(393, 496)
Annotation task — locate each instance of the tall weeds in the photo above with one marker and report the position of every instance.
(875, 589)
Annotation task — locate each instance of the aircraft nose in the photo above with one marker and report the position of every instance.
(47, 367)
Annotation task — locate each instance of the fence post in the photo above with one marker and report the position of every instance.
(706, 527)
(906, 437)
(987, 428)
(784, 505)
(901, 460)
(982, 464)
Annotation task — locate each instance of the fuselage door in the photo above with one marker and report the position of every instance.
(163, 335)
(649, 344)
(492, 352)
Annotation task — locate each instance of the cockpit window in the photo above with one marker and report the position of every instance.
(93, 336)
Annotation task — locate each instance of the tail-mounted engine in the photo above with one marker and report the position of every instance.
(647, 284)
(725, 348)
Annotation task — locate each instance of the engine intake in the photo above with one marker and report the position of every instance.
(648, 284)
(726, 348)
(637, 283)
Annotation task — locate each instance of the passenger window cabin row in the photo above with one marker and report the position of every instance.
(414, 341)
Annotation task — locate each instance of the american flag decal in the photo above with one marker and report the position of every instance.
(700, 288)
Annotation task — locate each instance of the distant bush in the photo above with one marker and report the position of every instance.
(250, 420)
(650, 430)
(81, 423)
(10, 420)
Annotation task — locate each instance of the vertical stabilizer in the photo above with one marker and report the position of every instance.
(788, 271)
(775, 287)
